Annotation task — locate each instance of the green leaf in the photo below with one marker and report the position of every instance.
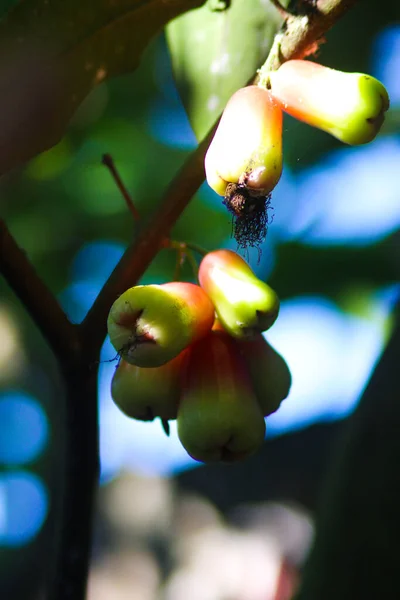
(53, 52)
(215, 53)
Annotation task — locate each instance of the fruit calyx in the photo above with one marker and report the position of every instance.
(150, 325)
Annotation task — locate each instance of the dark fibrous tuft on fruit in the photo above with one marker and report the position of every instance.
(250, 218)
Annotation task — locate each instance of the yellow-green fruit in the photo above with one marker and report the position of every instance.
(349, 106)
(244, 304)
(146, 393)
(219, 418)
(270, 375)
(149, 325)
(247, 143)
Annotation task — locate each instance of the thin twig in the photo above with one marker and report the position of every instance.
(38, 300)
(179, 260)
(108, 161)
(193, 264)
(196, 248)
(142, 251)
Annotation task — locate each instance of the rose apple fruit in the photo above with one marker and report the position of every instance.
(248, 142)
(269, 373)
(149, 325)
(244, 304)
(219, 417)
(147, 393)
(349, 106)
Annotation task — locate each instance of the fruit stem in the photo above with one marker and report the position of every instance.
(108, 161)
(175, 245)
(302, 33)
(192, 261)
(184, 252)
(180, 259)
(196, 248)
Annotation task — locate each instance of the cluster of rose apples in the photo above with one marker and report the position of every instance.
(247, 146)
(196, 353)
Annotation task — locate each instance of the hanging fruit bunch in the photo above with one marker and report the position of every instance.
(244, 160)
(196, 353)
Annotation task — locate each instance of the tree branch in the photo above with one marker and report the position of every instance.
(142, 251)
(38, 300)
(302, 32)
(75, 500)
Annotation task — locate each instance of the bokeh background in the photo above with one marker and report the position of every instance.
(166, 526)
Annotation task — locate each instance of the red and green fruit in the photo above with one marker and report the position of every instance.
(269, 373)
(149, 325)
(349, 106)
(219, 417)
(146, 393)
(248, 142)
(244, 304)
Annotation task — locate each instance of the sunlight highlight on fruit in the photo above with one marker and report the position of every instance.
(349, 106)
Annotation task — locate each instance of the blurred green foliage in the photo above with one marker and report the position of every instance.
(53, 53)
